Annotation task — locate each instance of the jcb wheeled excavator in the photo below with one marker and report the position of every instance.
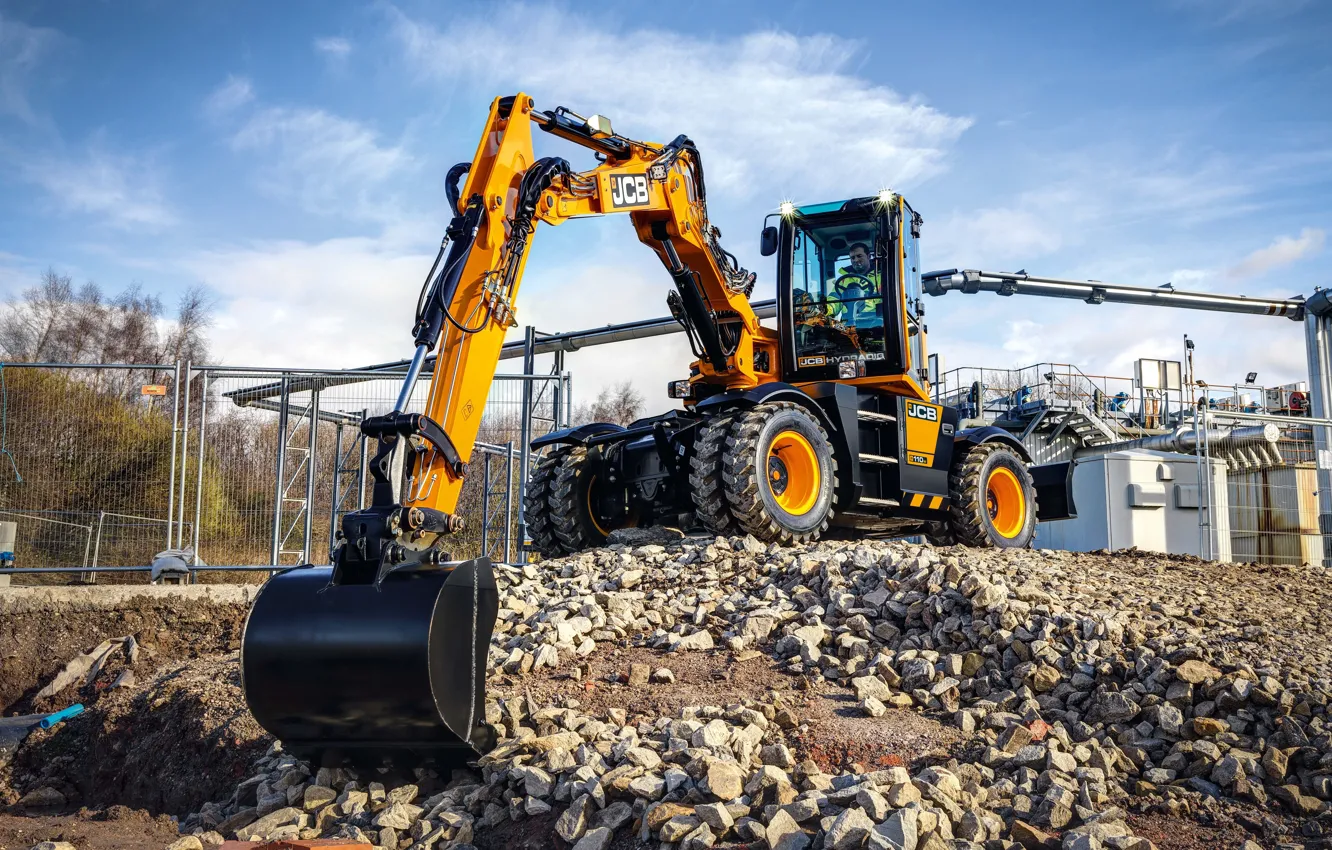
(824, 420)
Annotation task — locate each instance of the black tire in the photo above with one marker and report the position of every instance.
(754, 496)
(939, 534)
(707, 484)
(978, 515)
(536, 505)
(571, 504)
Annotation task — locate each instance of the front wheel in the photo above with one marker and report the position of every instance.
(993, 499)
(780, 473)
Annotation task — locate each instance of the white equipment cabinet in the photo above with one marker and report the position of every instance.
(1150, 500)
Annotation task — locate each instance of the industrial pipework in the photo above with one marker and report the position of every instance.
(1185, 441)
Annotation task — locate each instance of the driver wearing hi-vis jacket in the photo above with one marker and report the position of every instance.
(855, 291)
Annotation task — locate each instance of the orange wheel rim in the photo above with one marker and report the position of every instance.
(1006, 503)
(793, 473)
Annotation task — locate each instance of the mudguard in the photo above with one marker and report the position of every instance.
(1054, 491)
(969, 437)
(577, 436)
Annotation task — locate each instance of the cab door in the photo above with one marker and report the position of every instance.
(912, 306)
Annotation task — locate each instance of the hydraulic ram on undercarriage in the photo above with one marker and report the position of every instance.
(1098, 292)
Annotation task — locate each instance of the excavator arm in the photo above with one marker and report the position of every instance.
(468, 302)
(384, 654)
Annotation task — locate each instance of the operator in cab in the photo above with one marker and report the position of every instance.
(853, 297)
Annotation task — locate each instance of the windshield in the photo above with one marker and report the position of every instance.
(837, 297)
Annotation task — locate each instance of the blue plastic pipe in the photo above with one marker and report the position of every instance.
(63, 714)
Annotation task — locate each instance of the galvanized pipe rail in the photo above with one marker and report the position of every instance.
(542, 344)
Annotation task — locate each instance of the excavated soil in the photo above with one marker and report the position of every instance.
(117, 828)
(35, 645)
(182, 739)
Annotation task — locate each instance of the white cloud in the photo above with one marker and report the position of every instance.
(121, 190)
(326, 163)
(334, 47)
(228, 97)
(337, 303)
(1082, 197)
(776, 114)
(21, 50)
(1283, 251)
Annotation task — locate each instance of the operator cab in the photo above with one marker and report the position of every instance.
(848, 293)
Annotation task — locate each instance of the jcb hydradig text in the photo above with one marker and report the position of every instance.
(824, 420)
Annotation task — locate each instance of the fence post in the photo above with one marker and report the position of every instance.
(184, 457)
(89, 577)
(97, 547)
(525, 434)
(485, 504)
(558, 371)
(1317, 326)
(310, 467)
(171, 474)
(508, 503)
(365, 463)
(283, 405)
(198, 487)
(337, 481)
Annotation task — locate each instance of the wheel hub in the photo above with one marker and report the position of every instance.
(777, 477)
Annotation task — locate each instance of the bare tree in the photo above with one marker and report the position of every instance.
(30, 328)
(620, 404)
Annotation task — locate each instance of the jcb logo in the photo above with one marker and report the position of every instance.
(922, 411)
(629, 190)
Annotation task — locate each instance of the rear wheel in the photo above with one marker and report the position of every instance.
(780, 473)
(993, 499)
(578, 511)
(536, 505)
(707, 471)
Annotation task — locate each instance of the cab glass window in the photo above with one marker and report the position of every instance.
(837, 280)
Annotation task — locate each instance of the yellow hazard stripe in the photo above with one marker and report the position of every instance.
(916, 499)
(936, 502)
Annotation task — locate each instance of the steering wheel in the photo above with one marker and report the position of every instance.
(863, 287)
(865, 291)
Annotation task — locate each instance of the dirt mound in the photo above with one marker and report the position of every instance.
(39, 641)
(177, 740)
(117, 828)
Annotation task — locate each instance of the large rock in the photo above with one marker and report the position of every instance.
(849, 830)
(897, 833)
(783, 833)
(1196, 672)
(723, 780)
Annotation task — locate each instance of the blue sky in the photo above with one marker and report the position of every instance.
(291, 158)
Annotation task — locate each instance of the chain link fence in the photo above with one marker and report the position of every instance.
(102, 468)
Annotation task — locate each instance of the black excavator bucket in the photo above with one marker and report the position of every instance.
(373, 673)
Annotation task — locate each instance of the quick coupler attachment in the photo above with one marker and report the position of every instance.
(368, 674)
(378, 539)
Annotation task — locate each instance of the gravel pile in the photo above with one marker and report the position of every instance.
(1088, 687)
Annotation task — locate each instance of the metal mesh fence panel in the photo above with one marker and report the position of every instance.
(96, 471)
(80, 442)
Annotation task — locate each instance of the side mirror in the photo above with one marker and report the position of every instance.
(768, 242)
